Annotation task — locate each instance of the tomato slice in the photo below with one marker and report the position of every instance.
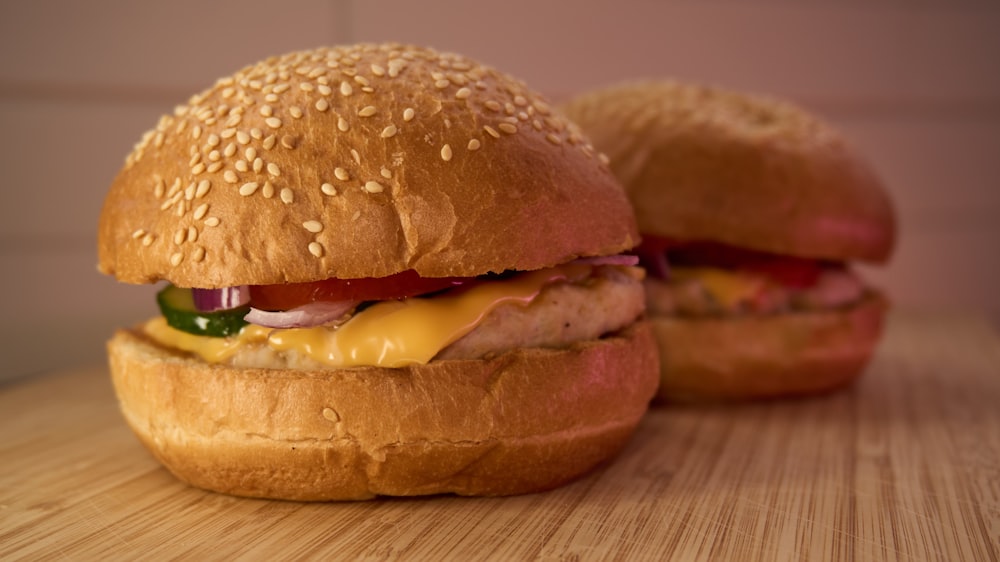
(400, 285)
(788, 270)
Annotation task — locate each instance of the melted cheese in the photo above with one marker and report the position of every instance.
(386, 334)
(729, 288)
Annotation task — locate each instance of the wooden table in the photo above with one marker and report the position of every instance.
(903, 466)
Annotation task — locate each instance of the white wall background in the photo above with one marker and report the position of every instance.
(915, 84)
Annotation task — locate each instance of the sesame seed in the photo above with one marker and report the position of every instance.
(269, 142)
(212, 140)
(288, 141)
(139, 233)
(295, 112)
(342, 124)
(174, 187)
(192, 234)
(408, 114)
(322, 105)
(203, 188)
(273, 169)
(230, 150)
(212, 221)
(395, 66)
(200, 211)
(491, 131)
(280, 88)
(361, 80)
(446, 153)
(306, 87)
(159, 188)
(507, 128)
(243, 137)
(199, 254)
(214, 167)
(242, 165)
(341, 174)
(356, 156)
(250, 153)
(258, 164)
(463, 93)
(256, 133)
(537, 124)
(287, 196)
(271, 98)
(248, 188)
(388, 131)
(328, 189)
(313, 226)
(148, 239)
(553, 138)
(378, 70)
(346, 89)
(356, 215)
(474, 144)
(180, 236)
(373, 187)
(367, 111)
(214, 156)
(268, 190)
(176, 259)
(228, 133)
(324, 90)
(273, 122)
(386, 173)
(189, 192)
(179, 210)
(604, 158)
(442, 84)
(316, 249)
(520, 101)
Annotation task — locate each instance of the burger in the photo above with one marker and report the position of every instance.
(752, 212)
(385, 271)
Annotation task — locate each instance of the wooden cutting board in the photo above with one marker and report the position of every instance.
(903, 466)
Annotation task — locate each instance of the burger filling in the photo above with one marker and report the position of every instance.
(401, 320)
(708, 279)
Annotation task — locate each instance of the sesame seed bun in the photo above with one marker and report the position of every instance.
(707, 164)
(766, 356)
(363, 162)
(303, 167)
(520, 422)
(703, 164)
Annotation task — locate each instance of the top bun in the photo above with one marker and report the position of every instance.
(745, 170)
(359, 161)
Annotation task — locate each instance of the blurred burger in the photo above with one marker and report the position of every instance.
(751, 212)
(389, 271)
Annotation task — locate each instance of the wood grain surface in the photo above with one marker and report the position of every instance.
(903, 466)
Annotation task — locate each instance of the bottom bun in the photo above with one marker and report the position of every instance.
(750, 357)
(520, 422)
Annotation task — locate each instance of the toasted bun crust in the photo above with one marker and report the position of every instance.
(519, 422)
(749, 357)
(359, 161)
(705, 164)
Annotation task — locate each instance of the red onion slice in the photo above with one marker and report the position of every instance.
(305, 316)
(210, 300)
(618, 259)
